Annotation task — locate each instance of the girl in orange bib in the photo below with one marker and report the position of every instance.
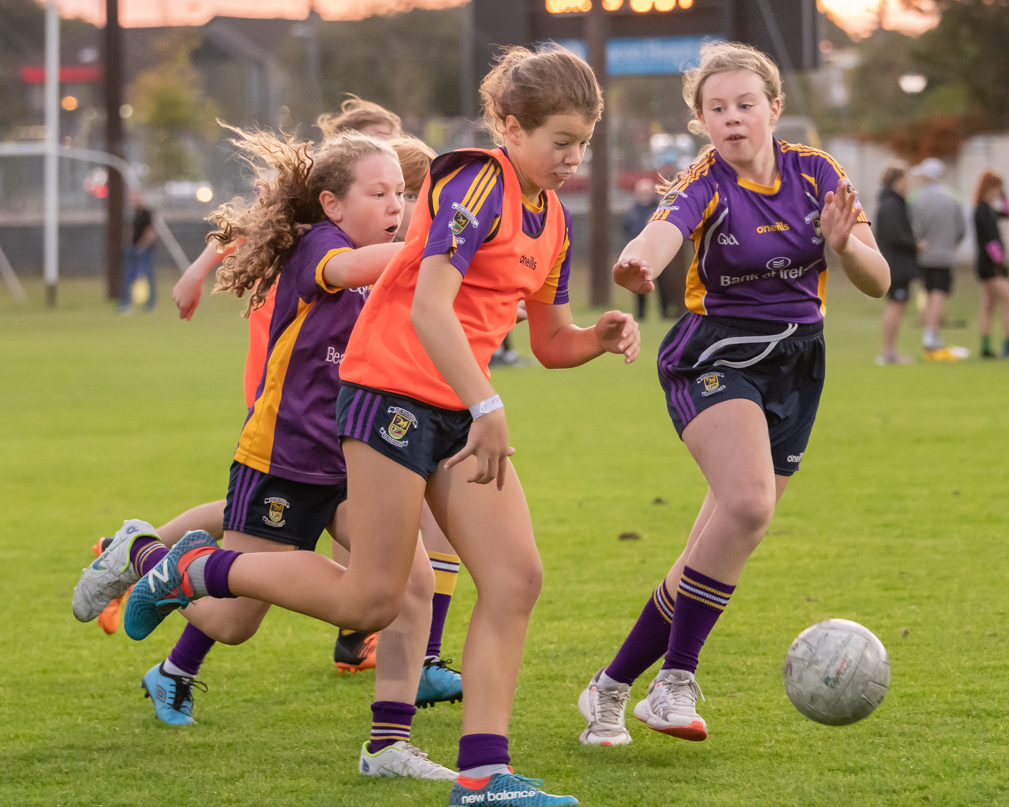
(420, 419)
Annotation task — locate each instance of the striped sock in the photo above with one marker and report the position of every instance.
(390, 722)
(446, 574)
(700, 600)
(647, 641)
(146, 553)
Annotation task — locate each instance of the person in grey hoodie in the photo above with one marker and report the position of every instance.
(939, 226)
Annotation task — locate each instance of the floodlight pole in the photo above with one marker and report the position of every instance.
(50, 251)
(113, 66)
(599, 183)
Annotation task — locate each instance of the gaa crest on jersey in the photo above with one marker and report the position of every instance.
(398, 427)
(461, 219)
(275, 515)
(670, 199)
(712, 383)
(814, 219)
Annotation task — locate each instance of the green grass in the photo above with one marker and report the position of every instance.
(898, 520)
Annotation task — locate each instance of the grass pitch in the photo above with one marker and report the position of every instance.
(898, 520)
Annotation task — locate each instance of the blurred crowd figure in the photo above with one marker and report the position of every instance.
(671, 284)
(897, 244)
(989, 206)
(919, 240)
(939, 226)
(138, 262)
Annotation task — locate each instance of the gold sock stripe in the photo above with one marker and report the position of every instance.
(715, 591)
(709, 603)
(144, 553)
(663, 603)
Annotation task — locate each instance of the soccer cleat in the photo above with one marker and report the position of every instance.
(108, 620)
(111, 574)
(172, 695)
(165, 587)
(603, 708)
(438, 683)
(669, 707)
(355, 651)
(508, 789)
(402, 759)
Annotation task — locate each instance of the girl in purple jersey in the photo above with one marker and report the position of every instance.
(322, 229)
(742, 370)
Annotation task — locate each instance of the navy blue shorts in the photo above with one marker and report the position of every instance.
(414, 434)
(280, 510)
(705, 360)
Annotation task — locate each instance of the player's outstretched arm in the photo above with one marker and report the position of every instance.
(853, 241)
(434, 319)
(188, 289)
(644, 258)
(355, 268)
(557, 342)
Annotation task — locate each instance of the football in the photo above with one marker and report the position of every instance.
(837, 672)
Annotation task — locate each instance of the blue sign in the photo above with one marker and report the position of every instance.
(647, 55)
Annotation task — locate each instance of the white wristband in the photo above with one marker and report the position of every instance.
(485, 407)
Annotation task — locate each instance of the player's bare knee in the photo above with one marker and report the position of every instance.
(420, 585)
(377, 611)
(235, 634)
(751, 510)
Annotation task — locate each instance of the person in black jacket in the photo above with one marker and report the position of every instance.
(989, 206)
(896, 241)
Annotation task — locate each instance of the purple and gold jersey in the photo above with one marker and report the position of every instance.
(466, 202)
(290, 431)
(758, 250)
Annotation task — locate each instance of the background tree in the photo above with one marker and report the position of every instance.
(966, 58)
(173, 111)
(410, 63)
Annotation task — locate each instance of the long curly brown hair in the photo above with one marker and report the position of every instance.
(289, 176)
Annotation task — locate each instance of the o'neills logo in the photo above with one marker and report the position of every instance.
(777, 227)
(504, 795)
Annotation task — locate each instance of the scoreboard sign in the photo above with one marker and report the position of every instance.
(651, 37)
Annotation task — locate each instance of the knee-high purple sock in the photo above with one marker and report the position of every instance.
(446, 573)
(700, 600)
(146, 553)
(191, 650)
(647, 640)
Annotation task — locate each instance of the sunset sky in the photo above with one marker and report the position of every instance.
(856, 16)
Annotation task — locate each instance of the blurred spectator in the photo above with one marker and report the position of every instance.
(939, 225)
(989, 206)
(895, 237)
(139, 258)
(670, 285)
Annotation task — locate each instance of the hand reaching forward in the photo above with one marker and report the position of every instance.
(187, 295)
(488, 442)
(618, 333)
(633, 274)
(839, 215)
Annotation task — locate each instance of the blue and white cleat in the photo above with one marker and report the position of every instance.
(438, 683)
(111, 575)
(504, 790)
(172, 695)
(166, 587)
